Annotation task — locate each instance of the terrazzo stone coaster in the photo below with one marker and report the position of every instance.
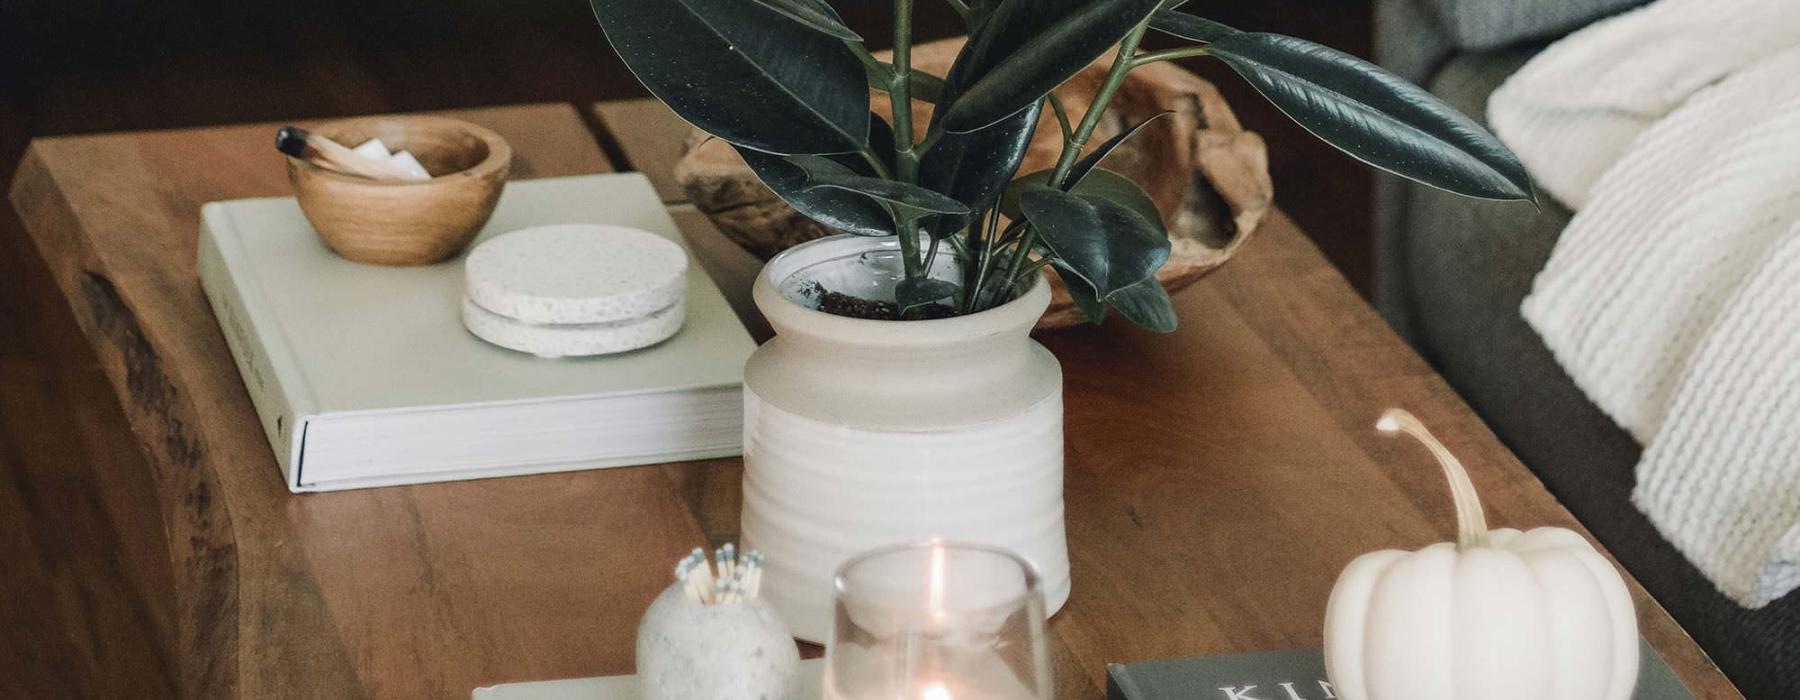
(729, 651)
(573, 339)
(576, 273)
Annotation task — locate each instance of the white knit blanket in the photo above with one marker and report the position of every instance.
(1574, 109)
(1673, 297)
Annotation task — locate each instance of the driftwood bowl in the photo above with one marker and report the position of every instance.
(405, 223)
(1208, 176)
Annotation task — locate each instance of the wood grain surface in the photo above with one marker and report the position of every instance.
(1217, 478)
(86, 609)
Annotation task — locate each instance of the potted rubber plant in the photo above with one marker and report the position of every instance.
(902, 397)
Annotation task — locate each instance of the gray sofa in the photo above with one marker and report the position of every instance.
(1450, 275)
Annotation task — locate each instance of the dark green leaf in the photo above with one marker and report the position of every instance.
(1120, 190)
(1009, 198)
(824, 172)
(816, 14)
(1146, 304)
(914, 292)
(1187, 26)
(1084, 296)
(1375, 115)
(1105, 184)
(1134, 302)
(1108, 244)
(743, 72)
(1081, 168)
(880, 73)
(845, 211)
(1024, 49)
(924, 87)
(979, 12)
(973, 168)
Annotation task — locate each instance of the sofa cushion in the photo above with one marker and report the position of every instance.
(1454, 271)
(1487, 24)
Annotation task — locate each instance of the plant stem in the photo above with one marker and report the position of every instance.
(1020, 252)
(906, 226)
(1033, 268)
(874, 162)
(925, 144)
(906, 161)
(900, 92)
(1012, 232)
(1115, 77)
(1062, 115)
(870, 63)
(1170, 55)
(989, 242)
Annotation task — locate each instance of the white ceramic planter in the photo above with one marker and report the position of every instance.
(862, 433)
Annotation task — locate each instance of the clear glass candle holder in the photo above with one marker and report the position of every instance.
(938, 621)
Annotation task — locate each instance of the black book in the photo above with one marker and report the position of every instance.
(1298, 674)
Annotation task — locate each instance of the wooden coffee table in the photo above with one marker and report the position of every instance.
(1217, 478)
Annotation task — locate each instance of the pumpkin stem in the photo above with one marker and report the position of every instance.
(1471, 523)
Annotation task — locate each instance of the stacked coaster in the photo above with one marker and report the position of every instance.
(575, 289)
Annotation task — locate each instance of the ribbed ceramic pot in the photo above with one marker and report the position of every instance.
(863, 433)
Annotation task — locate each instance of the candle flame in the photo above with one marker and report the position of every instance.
(936, 691)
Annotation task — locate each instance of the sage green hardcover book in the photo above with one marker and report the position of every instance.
(364, 375)
(1298, 674)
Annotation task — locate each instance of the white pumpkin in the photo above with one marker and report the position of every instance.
(1498, 615)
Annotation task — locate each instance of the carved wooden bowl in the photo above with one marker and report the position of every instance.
(405, 222)
(1208, 176)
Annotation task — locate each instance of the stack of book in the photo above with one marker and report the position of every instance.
(364, 375)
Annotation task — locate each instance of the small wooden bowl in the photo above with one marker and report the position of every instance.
(411, 222)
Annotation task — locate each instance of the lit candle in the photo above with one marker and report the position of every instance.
(936, 621)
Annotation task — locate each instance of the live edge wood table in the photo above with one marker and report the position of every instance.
(1217, 478)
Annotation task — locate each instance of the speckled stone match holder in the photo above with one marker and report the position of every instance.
(711, 636)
